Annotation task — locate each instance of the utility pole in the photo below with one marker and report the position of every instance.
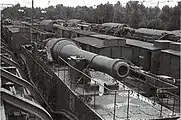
(32, 11)
(48, 3)
(158, 3)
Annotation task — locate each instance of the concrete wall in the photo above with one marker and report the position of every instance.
(66, 34)
(126, 52)
(18, 39)
(175, 66)
(105, 51)
(94, 50)
(116, 52)
(141, 57)
(147, 60)
(155, 62)
(169, 65)
(136, 53)
(59, 33)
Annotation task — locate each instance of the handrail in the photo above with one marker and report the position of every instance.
(11, 62)
(25, 104)
(20, 81)
(90, 77)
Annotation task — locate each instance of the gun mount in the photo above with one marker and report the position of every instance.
(65, 48)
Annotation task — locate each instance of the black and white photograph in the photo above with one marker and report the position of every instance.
(90, 59)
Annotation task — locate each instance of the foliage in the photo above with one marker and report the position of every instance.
(134, 14)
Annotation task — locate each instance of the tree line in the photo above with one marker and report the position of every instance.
(134, 14)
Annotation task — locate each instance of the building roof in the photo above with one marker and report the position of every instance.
(90, 41)
(28, 23)
(60, 21)
(99, 43)
(152, 31)
(62, 28)
(164, 44)
(106, 37)
(172, 52)
(114, 24)
(83, 32)
(141, 44)
(47, 22)
(8, 26)
(14, 29)
(74, 21)
(177, 32)
(175, 46)
(83, 25)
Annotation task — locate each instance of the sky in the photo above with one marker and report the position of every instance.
(74, 3)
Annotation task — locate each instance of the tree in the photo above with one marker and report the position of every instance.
(165, 16)
(155, 24)
(12, 12)
(174, 21)
(118, 16)
(134, 14)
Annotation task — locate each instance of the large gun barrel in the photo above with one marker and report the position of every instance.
(65, 48)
